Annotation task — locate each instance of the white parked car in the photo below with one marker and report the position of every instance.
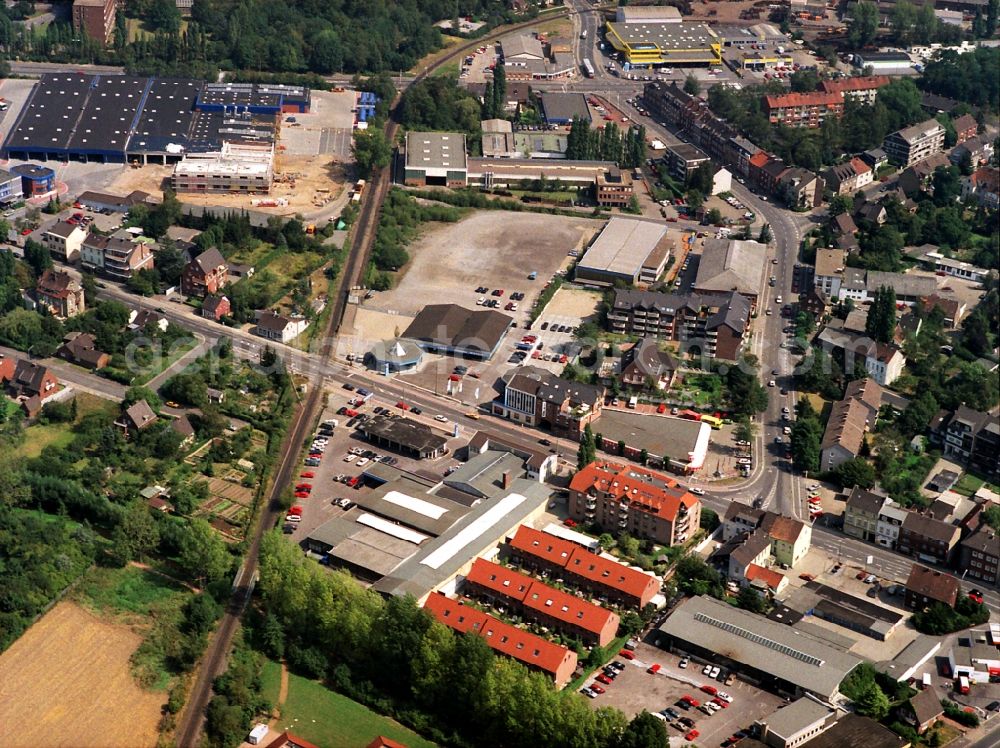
(725, 697)
(349, 458)
(707, 670)
(697, 491)
(440, 418)
(715, 671)
(362, 462)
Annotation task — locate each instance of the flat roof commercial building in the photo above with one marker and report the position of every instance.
(456, 331)
(796, 723)
(683, 442)
(537, 653)
(435, 158)
(627, 249)
(560, 108)
(651, 44)
(777, 656)
(732, 265)
(234, 168)
(404, 435)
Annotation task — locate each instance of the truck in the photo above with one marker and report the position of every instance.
(962, 684)
(926, 680)
(633, 401)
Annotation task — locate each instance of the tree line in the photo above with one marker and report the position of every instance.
(607, 143)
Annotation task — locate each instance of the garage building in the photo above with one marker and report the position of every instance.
(627, 249)
(778, 657)
(404, 435)
(436, 158)
(560, 108)
(457, 331)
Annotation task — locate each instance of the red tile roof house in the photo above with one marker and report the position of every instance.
(383, 742)
(289, 740)
(537, 653)
(24, 379)
(205, 274)
(215, 307)
(60, 293)
(601, 576)
(554, 608)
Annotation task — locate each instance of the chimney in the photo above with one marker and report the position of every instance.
(506, 479)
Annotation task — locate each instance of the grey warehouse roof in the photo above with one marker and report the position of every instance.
(753, 640)
(623, 246)
(436, 150)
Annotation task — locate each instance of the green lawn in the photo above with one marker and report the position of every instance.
(38, 437)
(329, 719)
(128, 590)
(270, 681)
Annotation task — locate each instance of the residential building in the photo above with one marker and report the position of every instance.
(758, 535)
(435, 158)
(862, 88)
(796, 723)
(635, 500)
(26, 379)
(205, 275)
(63, 240)
(912, 144)
(790, 540)
(119, 256)
(984, 184)
(952, 309)
(95, 18)
(114, 203)
(278, 327)
(861, 285)
(848, 177)
(965, 128)
(602, 576)
(977, 150)
(538, 602)
(803, 109)
(732, 265)
(81, 348)
(536, 397)
(830, 264)
(60, 293)
(11, 189)
(682, 160)
(883, 362)
(924, 587)
(970, 437)
(215, 307)
(291, 740)
(876, 158)
(849, 421)
(537, 653)
(928, 539)
(714, 324)
(924, 708)
(979, 556)
(645, 367)
(613, 188)
(861, 514)
(457, 331)
(140, 319)
(182, 426)
(890, 520)
(632, 250)
(800, 188)
(246, 168)
(854, 730)
(137, 417)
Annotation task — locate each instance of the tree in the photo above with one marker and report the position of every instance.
(748, 599)
(691, 85)
(864, 25)
(136, 534)
(765, 234)
(37, 256)
(806, 438)
(713, 217)
(804, 81)
(840, 204)
(644, 731)
(135, 394)
(880, 324)
(873, 702)
(204, 556)
(587, 451)
(371, 150)
(855, 472)
(744, 430)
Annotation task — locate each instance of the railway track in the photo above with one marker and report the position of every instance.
(213, 663)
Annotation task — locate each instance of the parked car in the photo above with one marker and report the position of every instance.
(603, 678)
(588, 693)
(683, 663)
(653, 669)
(627, 654)
(692, 735)
(597, 688)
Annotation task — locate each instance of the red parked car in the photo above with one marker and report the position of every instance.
(301, 495)
(597, 689)
(627, 654)
(690, 701)
(402, 406)
(654, 668)
(710, 689)
(692, 735)
(720, 702)
(296, 510)
(307, 474)
(602, 678)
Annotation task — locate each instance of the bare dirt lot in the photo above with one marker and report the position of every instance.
(48, 695)
(495, 249)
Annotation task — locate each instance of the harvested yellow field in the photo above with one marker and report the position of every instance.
(67, 683)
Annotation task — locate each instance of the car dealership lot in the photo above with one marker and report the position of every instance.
(636, 689)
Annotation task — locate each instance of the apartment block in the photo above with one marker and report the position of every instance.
(714, 323)
(550, 402)
(118, 257)
(969, 437)
(979, 556)
(624, 498)
(538, 602)
(928, 539)
(614, 188)
(95, 18)
(803, 109)
(912, 144)
(862, 88)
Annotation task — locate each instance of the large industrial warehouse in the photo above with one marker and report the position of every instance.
(680, 44)
(119, 118)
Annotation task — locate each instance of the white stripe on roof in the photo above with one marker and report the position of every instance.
(473, 530)
(414, 504)
(389, 528)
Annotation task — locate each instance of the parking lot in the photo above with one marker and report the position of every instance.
(636, 689)
(476, 66)
(326, 130)
(320, 504)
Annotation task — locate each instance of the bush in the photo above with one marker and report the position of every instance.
(958, 714)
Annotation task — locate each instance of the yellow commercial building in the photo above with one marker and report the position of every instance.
(654, 44)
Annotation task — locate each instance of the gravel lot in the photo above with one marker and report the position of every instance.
(495, 249)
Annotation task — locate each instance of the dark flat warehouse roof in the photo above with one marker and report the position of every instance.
(166, 118)
(51, 112)
(106, 122)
